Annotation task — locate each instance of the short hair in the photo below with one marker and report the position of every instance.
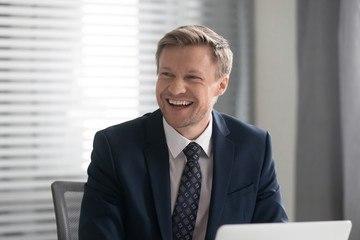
(200, 35)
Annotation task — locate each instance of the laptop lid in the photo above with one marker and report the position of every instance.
(321, 230)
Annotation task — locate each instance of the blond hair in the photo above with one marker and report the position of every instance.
(200, 35)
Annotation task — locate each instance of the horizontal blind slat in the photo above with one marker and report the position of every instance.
(53, 3)
(30, 227)
(37, 54)
(18, 208)
(24, 217)
(33, 173)
(40, 10)
(36, 162)
(40, 44)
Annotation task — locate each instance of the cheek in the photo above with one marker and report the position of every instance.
(216, 90)
(206, 98)
(157, 92)
(211, 96)
(212, 91)
(158, 87)
(161, 84)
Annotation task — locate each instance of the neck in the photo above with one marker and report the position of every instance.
(193, 132)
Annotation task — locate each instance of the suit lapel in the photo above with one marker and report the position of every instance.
(223, 157)
(157, 158)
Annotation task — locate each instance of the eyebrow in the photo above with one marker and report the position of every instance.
(164, 68)
(189, 72)
(195, 72)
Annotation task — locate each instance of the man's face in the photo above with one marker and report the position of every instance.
(187, 88)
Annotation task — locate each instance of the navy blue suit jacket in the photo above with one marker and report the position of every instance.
(127, 195)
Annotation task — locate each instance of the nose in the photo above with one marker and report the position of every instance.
(177, 86)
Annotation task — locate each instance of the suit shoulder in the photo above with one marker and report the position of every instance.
(129, 125)
(135, 128)
(238, 128)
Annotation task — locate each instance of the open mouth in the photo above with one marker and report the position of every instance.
(179, 104)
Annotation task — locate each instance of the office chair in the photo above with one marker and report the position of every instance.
(67, 197)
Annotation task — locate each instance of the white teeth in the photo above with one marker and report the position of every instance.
(179, 103)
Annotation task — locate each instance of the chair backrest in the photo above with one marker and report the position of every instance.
(67, 197)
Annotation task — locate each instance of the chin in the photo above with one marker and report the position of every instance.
(176, 123)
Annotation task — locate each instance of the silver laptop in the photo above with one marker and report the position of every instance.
(322, 230)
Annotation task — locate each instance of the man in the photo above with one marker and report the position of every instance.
(136, 188)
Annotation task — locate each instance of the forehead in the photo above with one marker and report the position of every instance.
(193, 55)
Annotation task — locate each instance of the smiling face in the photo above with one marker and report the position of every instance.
(187, 88)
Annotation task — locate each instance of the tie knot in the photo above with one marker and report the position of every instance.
(192, 151)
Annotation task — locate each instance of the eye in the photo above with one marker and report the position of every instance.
(193, 77)
(166, 74)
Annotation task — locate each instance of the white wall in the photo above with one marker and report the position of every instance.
(276, 86)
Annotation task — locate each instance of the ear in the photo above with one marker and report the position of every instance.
(223, 86)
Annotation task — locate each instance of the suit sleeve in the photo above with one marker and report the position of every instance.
(102, 210)
(269, 206)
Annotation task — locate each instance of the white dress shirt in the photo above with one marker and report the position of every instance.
(177, 160)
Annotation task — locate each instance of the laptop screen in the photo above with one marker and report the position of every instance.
(321, 230)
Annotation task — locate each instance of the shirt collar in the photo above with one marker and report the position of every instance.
(176, 142)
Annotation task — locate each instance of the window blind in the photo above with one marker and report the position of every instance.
(67, 69)
(39, 142)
